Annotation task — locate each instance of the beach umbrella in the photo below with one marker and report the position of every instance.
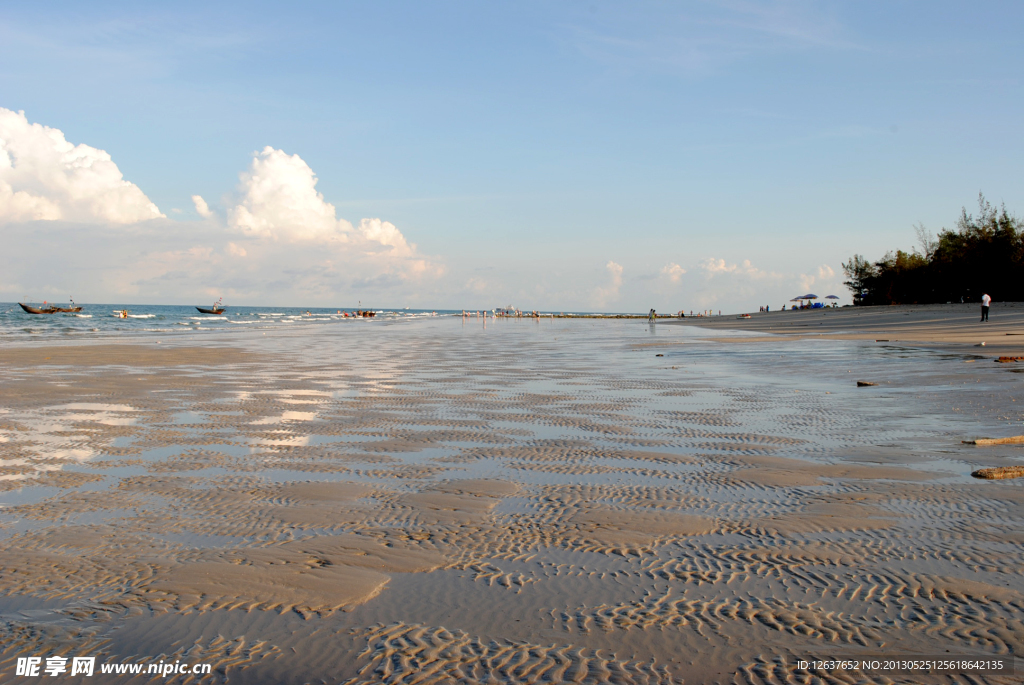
(810, 297)
(831, 297)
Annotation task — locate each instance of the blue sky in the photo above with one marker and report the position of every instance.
(575, 155)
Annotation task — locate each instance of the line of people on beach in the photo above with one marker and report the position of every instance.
(504, 314)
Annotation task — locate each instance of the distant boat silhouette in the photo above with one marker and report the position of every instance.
(217, 308)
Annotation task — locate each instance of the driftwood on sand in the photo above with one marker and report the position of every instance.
(1012, 440)
(1000, 472)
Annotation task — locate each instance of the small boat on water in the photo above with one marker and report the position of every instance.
(38, 310)
(217, 308)
(50, 308)
(365, 313)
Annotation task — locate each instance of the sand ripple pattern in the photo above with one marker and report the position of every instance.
(350, 493)
(425, 655)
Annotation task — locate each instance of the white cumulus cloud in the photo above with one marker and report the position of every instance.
(673, 271)
(611, 291)
(45, 177)
(386, 235)
(279, 240)
(279, 210)
(202, 209)
(825, 275)
(739, 281)
(280, 201)
(715, 267)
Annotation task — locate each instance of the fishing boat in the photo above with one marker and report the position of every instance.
(50, 308)
(69, 310)
(37, 310)
(365, 313)
(217, 308)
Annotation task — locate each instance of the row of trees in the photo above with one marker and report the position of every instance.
(984, 254)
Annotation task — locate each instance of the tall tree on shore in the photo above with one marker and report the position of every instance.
(983, 254)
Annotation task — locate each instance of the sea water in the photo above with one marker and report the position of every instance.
(103, 320)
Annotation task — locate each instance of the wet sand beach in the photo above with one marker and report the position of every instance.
(515, 501)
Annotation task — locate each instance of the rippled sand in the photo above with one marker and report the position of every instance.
(530, 501)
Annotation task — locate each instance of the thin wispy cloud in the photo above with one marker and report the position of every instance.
(696, 38)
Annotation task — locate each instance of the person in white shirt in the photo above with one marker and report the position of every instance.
(985, 302)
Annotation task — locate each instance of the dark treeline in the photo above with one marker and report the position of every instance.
(985, 254)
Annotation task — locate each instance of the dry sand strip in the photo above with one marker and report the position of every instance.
(953, 326)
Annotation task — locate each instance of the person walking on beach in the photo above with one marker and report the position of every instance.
(986, 301)
(650, 317)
